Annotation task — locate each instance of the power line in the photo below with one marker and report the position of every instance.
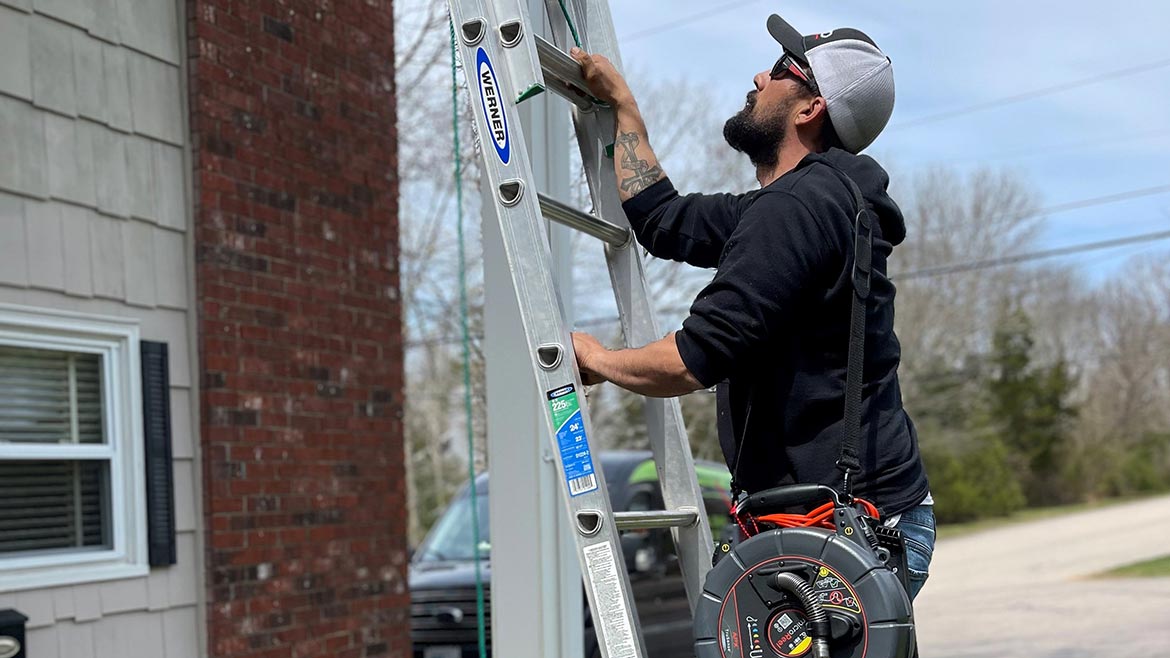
(691, 18)
(942, 269)
(1090, 202)
(1043, 150)
(1127, 252)
(1029, 95)
(955, 268)
(930, 118)
(923, 273)
(926, 272)
(1097, 201)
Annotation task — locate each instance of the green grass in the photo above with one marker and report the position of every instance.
(1158, 567)
(949, 530)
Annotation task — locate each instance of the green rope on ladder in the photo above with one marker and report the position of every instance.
(479, 606)
(572, 29)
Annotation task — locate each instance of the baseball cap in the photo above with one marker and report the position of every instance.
(854, 76)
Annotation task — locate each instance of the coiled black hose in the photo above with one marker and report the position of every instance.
(818, 619)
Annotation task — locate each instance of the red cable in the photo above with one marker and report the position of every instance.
(820, 517)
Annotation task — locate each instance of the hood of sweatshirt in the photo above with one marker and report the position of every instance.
(873, 182)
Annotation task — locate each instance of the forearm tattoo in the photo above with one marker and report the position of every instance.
(643, 174)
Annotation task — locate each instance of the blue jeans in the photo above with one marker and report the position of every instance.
(917, 526)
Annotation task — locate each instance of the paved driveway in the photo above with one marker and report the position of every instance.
(1022, 590)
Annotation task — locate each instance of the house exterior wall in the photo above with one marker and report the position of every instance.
(294, 143)
(95, 219)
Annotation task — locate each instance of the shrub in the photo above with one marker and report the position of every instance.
(972, 480)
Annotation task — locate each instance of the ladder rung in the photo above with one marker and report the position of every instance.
(611, 234)
(562, 75)
(683, 518)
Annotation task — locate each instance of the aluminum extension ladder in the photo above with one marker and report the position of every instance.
(505, 64)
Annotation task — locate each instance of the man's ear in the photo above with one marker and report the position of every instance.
(811, 110)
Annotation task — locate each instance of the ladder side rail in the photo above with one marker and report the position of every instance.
(664, 421)
(517, 211)
(513, 27)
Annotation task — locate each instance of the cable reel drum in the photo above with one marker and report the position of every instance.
(808, 592)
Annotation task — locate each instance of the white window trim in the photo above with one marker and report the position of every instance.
(117, 340)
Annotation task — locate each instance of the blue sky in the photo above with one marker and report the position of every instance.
(1096, 140)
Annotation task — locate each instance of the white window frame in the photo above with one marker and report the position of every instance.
(117, 341)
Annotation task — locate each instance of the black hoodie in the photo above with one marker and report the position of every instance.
(772, 327)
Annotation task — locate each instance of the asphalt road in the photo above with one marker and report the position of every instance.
(1024, 590)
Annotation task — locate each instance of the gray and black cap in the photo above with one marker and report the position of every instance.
(852, 74)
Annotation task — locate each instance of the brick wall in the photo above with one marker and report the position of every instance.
(293, 132)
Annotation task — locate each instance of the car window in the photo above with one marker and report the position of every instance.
(452, 537)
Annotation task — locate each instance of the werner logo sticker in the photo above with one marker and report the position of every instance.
(493, 105)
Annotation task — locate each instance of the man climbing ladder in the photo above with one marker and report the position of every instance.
(772, 327)
(742, 329)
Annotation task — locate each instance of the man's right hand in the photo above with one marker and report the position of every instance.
(604, 81)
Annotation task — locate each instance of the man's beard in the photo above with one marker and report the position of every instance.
(758, 138)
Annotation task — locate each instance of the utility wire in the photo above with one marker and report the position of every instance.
(1097, 201)
(930, 118)
(1049, 149)
(1029, 95)
(942, 269)
(923, 273)
(955, 268)
(691, 18)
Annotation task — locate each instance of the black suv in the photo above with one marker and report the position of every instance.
(442, 571)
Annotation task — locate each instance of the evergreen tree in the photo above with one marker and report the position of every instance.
(1029, 408)
(969, 466)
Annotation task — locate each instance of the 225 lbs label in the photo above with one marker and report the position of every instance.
(574, 445)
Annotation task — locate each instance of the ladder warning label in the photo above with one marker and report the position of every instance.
(574, 445)
(608, 603)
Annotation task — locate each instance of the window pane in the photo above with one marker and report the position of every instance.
(452, 537)
(54, 505)
(48, 396)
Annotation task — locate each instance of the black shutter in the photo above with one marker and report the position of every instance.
(12, 633)
(160, 477)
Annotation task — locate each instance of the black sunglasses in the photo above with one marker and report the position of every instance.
(788, 64)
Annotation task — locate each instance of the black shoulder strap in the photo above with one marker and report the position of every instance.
(850, 462)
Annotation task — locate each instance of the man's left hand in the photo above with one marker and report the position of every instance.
(589, 351)
(603, 79)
